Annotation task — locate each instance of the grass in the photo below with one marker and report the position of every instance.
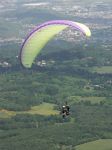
(92, 99)
(6, 114)
(45, 109)
(102, 144)
(103, 69)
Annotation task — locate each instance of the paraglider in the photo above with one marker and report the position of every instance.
(65, 110)
(39, 37)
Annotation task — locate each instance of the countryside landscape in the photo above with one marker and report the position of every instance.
(70, 68)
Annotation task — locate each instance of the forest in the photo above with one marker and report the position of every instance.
(70, 75)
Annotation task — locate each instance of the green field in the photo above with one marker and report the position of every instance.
(92, 99)
(42, 109)
(104, 69)
(6, 114)
(105, 144)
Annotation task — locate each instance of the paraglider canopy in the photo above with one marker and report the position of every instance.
(38, 38)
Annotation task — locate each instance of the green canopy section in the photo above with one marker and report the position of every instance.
(37, 41)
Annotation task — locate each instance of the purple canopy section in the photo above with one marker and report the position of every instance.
(60, 22)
